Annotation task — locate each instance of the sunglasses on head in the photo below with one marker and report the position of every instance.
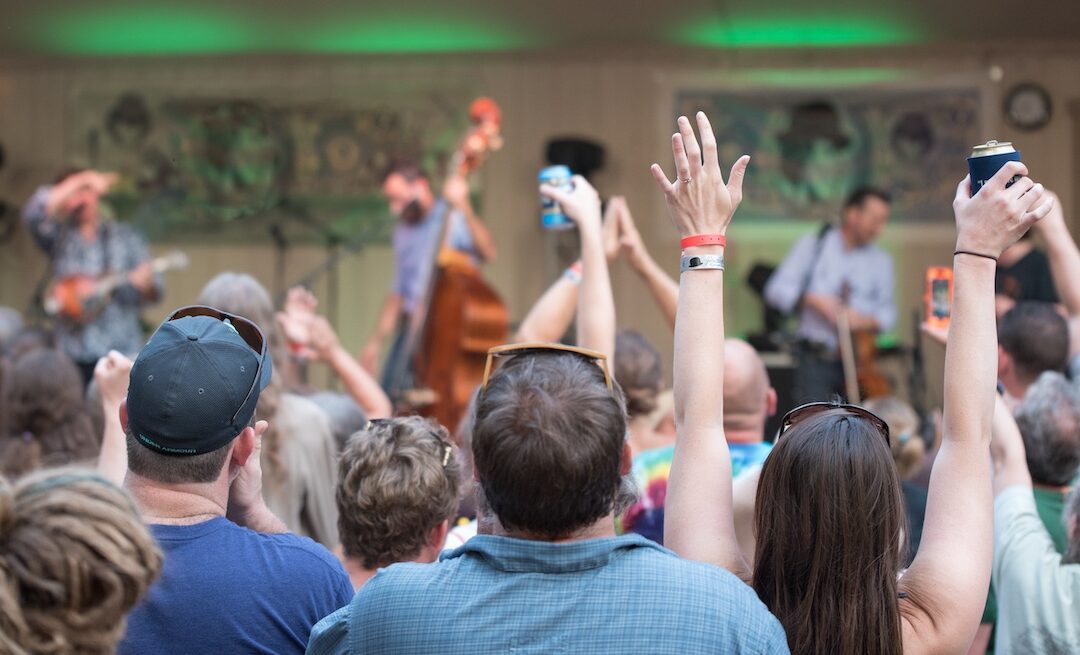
(248, 331)
(515, 349)
(804, 412)
(448, 448)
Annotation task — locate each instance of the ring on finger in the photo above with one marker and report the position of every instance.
(687, 180)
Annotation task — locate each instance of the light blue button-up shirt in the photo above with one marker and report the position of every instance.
(867, 270)
(502, 595)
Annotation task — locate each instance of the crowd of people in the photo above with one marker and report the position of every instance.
(193, 495)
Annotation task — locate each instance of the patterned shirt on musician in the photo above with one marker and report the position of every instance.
(117, 248)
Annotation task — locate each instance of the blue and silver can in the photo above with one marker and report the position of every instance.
(987, 159)
(551, 215)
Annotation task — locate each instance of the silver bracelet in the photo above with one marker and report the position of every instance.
(701, 263)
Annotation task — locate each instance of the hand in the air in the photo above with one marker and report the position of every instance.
(295, 319)
(996, 217)
(581, 205)
(699, 201)
(630, 240)
(616, 205)
(112, 374)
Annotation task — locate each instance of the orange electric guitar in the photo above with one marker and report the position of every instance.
(81, 298)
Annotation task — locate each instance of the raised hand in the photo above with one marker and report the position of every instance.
(699, 201)
(582, 205)
(112, 373)
(616, 206)
(295, 319)
(996, 217)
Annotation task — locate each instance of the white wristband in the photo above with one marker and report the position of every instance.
(701, 263)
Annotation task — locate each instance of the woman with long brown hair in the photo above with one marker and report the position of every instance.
(829, 514)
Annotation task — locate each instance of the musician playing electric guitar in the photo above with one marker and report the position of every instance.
(67, 223)
(409, 194)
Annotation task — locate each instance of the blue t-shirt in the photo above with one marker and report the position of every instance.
(228, 589)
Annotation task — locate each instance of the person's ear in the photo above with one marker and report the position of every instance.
(437, 538)
(123, 414)
(243, 447)
(627, 463)
(770, 403)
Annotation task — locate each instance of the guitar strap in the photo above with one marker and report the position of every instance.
(813, 265)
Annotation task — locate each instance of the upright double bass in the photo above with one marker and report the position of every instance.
(460, 316)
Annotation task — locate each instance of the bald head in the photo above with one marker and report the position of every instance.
(748, 398)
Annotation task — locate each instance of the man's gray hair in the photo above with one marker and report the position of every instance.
(1049, 421)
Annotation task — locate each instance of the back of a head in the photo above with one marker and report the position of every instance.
(548, 444)
(49, 423)
(398, 479)
(746, 389)
(829, 519)
(1036, 337)
(908, 448)
(76, 557)
(1049, 422)
(639, 370)
(193, 390)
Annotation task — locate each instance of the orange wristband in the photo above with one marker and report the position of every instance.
(703, 240)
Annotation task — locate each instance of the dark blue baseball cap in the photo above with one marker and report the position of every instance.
(195, 385)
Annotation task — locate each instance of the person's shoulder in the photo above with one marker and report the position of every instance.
(298, 555)
(301, 417)
(712, 592)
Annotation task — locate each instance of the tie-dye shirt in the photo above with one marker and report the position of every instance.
(650, 471)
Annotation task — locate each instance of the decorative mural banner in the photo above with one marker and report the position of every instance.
(252, 169)
(811, 149)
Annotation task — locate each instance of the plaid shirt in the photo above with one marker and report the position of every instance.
(118, 326)
(503, 595)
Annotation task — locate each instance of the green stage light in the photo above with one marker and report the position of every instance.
(795, 32)
(145, 29)
(408, 34)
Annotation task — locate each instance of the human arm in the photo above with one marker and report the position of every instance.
(357, 381)
(596, 303)
(946, 584)
(384, 326)
(1007, 450)
(699, 517)
(112, 374)
(456, 192)
(551, 315)
(1064, 257)
(312, 337)
(142, 285)
(664, 290)
(247, 508)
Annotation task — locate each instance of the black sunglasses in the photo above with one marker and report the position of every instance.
(803, 412)
(248, 331)
(448, 448)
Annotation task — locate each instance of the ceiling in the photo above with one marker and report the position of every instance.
(175, 28)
